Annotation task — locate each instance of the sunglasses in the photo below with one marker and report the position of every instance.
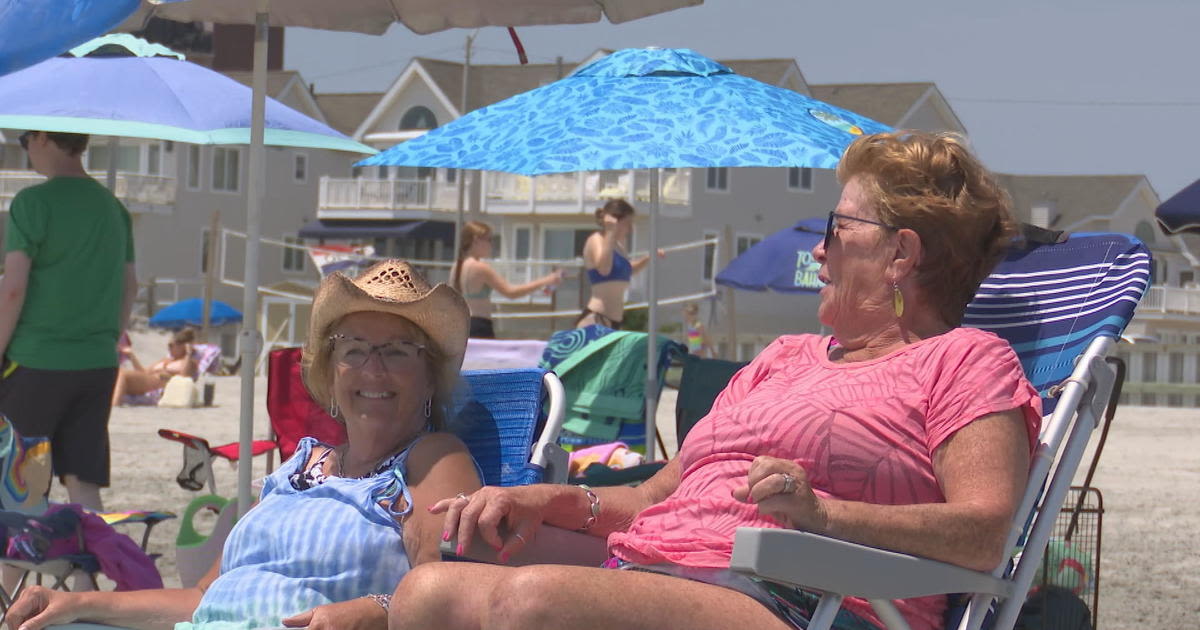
(24, 140)
(831, 225)
(396, 356)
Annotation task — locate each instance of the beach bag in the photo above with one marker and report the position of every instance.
(180, 391)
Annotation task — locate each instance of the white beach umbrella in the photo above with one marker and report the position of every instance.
(364, 16)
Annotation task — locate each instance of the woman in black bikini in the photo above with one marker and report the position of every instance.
(608, 266)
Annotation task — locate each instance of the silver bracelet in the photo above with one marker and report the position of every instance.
(382, 599)
(594, 506)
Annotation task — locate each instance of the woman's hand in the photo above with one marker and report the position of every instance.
(493, 513)
(780, 488)
(38, 607)
(357, 614)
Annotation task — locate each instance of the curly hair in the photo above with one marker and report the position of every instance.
(932, 184)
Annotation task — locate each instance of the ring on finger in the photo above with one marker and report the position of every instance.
(789, 483)
(520, 537)
(462, 496)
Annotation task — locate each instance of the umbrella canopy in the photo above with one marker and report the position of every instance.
(781, 262)
(34, 30)
(151, 97)
(373, 17)
(640, 108)
(190, 312)
(1180, 213)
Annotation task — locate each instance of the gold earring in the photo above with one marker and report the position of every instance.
(897, 300)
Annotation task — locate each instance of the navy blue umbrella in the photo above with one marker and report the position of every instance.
(781, 262)
(1181, 213)
(33, 30)
(189, 312)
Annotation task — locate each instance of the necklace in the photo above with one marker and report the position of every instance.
(373, 470)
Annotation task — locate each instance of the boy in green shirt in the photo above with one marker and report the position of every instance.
(68, 286)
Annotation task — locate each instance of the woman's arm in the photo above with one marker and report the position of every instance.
(152, 609)
(598, 250)
(12, 294)
(640, 263)
(493, 279)
(983, 469)
(498, 515)
(439, 466)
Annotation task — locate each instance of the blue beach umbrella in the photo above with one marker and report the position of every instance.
(781, 262)
(151, 97)
(189, 312)
(641, 108)
(34, 30)
(1181, 213)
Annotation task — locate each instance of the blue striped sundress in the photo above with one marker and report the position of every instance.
(298, 549)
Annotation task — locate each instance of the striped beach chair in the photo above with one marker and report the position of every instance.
(1062, 305)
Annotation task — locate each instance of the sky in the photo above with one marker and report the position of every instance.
(1042, 87)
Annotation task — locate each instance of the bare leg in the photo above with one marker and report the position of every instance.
(84, 493)
(134, 383)
(470, 596)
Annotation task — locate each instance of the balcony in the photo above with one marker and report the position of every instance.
(139, 192)
(1165, 302)
(502, 193)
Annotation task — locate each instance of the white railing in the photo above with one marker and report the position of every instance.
(1170, 300)
(136, 188)
(585, 190)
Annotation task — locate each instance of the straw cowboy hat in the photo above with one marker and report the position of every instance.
(395, 287)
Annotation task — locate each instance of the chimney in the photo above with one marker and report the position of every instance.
(233, 48)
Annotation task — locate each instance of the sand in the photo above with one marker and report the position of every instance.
(1149, 474)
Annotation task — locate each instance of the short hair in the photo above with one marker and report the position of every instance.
(73, 143)
(184, 335)
(932, 184)
(617, 207)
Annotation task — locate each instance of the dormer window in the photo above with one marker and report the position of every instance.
(418, 117)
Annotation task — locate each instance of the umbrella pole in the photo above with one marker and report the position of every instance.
(652, 322)
(251, 339)
(110, 178)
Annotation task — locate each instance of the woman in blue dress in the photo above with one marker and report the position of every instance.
(337, 526)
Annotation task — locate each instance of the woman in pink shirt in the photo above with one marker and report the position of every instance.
(902, 431)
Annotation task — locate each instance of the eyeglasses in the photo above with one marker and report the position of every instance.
(396, 356)
(24, 140)
(831, 225)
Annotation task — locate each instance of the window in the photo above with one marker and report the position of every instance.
(746, 241)
(717, 179)
(564, 243)
(800, 178)
(300, 167)
(1175, 367)
(523, 243)
(451, 175)
(193, 171)
(293, 257)
(154, 159)
(746, 351)
(225, 169)
(1150, 367)
(1186, 278)
(710, 256)
(129, 158)
(418, 117)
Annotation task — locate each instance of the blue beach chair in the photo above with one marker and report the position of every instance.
(1062, 306)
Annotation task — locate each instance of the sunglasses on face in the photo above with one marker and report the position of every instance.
(396, 356)
(831, 225)
(24, 140)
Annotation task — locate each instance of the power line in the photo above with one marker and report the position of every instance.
(1071, 103)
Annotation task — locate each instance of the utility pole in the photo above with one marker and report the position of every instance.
(462, 174)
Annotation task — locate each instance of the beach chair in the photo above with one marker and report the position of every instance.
(293, 415)
(1061, 306)
(26, 469)
(208, 361)
(606, 399)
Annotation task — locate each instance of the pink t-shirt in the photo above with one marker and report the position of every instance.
(864, 431)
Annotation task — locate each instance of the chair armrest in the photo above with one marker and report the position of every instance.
(850, 569)
(551, 545)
